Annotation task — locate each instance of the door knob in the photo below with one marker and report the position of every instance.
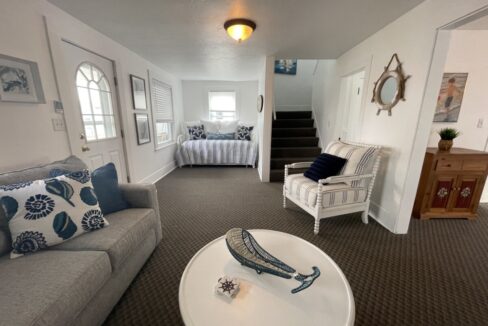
(85, 148)
(82, 136)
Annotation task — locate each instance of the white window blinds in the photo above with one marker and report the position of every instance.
(162, 101)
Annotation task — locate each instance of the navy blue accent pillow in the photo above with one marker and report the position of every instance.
(106, 186)
(324, 166)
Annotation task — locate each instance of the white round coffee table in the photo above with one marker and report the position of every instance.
(265, 299)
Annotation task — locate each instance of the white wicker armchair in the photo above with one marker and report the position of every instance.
(337, 195)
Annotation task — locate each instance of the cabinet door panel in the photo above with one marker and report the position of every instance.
(441, 192)
(467, 193)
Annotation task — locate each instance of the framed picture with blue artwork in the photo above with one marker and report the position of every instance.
(20, 81)
(286, 66)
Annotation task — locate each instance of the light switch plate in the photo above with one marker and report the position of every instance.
(480, 123)
(58, 125)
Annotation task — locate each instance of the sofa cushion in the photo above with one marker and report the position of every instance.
(324, 166)
(360, 160)
(44, 213)
(51, 287)
(305, 190)
(70, 164)
(127, 229)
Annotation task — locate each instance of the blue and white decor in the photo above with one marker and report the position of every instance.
(286, 66)
(47, 212)
(244, 133)
(245, 249)
(197, 132)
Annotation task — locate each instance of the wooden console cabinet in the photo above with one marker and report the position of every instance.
(451, 183)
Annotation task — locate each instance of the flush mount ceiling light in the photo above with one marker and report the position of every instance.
(240, 29)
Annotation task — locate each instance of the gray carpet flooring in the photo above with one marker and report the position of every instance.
(435, 275)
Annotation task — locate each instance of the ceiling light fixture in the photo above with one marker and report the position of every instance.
(240, 29)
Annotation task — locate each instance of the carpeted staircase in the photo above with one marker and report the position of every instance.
(294, 139)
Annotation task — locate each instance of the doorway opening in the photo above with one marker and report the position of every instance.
(452, 183)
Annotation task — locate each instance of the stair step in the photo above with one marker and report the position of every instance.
(280, 162)
(294, 132)
(295, 151)
(292, 123)
(294, 114)
(278, 175)
(295, 142)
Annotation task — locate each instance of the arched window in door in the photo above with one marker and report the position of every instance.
(95, 99)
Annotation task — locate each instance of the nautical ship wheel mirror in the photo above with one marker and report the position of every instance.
(389, 89)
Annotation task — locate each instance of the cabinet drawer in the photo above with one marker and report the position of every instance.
(472, 165)
(448, 165)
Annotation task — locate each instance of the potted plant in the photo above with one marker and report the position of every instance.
(447, 135)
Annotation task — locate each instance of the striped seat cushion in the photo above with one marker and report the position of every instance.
(305, 190)
(360, 160)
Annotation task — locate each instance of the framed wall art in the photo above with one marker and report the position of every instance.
(142, 128)
(20, 81)
(138, 86)
(450, 97)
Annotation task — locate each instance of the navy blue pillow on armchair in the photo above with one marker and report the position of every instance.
(106, 186)
(324, 166)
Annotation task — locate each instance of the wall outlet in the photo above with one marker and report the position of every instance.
(480, 123)
(58, 125)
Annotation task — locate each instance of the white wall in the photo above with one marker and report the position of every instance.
(468, 50)
(195, 98)
(412, 36)
(265, 117)
(30, 126)
(294, 92)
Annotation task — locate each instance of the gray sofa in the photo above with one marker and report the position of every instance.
(77, 282)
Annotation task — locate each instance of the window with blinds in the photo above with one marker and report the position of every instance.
(162, 106)
(222, 106)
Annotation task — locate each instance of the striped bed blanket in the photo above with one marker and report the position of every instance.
(217, 152)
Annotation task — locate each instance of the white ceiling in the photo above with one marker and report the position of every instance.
(187, 38)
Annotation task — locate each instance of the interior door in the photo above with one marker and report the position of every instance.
(91, 108)
(351, 99)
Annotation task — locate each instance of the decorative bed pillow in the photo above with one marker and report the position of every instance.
(217, 136)
(324, 166)
(197, 132)
(244, 133)
(46, 212)
(211, 126)
(106, 185)
(228, 126)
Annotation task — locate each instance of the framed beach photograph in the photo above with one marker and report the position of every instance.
(450, 97)
(142, 128)
(286, 66)
(138, 86)
(20, 81)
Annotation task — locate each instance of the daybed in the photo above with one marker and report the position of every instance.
(227, 146)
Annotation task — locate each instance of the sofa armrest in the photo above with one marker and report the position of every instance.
(143, 196)
(179, 140)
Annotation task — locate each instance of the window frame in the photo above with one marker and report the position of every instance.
(109, 92)
(171, 122)
(222, 90)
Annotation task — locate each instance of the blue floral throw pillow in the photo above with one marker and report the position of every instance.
(46, 212)
(244, 133)
(197, 132)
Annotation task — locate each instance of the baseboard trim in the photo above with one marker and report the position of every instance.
(159, 174)
(376, 212)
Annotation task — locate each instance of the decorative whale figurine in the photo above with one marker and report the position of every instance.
(248, 252)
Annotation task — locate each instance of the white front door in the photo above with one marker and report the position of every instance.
(91, 108)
